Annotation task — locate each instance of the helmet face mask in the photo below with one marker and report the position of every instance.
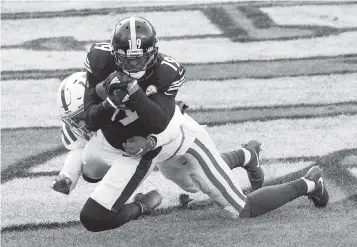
(70, 98)
(134, 46)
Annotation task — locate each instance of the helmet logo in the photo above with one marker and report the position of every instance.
(65, 97)
(150, 90)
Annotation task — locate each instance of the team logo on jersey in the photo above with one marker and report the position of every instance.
(151, 90)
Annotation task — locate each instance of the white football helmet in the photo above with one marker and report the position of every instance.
(70, 99)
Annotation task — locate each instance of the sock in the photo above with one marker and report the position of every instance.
(269, 198)
(235, 158)
(310, 185)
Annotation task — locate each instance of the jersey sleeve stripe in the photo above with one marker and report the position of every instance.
(176, 85)
(70, 134)
(87, 65)
(178, 82)
(65, 139)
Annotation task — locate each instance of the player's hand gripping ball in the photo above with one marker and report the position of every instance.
(117, 80)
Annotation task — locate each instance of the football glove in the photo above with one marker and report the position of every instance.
(138, 145)
(62, 184)
(117, 99)
(120, 80)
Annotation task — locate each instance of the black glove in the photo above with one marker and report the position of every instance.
(119, 80)
(117, 99)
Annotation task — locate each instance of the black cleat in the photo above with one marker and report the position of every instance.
(254, 171)
(148, 201)
(319, 196)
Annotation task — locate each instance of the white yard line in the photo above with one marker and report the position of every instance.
(41, 204)
(39, 96)
(265, 92)
(195, 51)
(339, 16)
(99, 27)
(319, 89)
(290, 138)
(30, 103)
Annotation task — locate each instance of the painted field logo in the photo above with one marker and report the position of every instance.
(151, 90)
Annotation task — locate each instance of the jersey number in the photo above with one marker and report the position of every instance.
(103, 46)
(131, 116)
(171, 62)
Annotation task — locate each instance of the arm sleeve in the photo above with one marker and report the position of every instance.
(72, 167)
(96, 113)
(70, 139)
(156, 110)
(172, 131)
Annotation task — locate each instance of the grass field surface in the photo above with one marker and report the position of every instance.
(179, 23)
(231, 93)
(254, 71)
(333, 16)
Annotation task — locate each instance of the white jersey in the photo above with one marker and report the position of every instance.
(71, 139)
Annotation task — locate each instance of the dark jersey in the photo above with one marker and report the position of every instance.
(153, 105)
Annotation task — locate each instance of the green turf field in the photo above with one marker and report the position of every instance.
(254, 71)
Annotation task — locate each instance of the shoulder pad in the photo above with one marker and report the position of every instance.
(170, 74)
(99, 60)
(71, 140)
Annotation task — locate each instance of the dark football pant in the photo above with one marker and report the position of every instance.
(269, 198)
(97, 216)
(266, 198)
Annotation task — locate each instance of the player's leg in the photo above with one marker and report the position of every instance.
(178, 173)
(247, 157)
(269, 198)
(97, 157)
(212, 175)
(106, 208)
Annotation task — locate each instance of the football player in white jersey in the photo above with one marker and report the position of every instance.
(75, 135)
(191, 160)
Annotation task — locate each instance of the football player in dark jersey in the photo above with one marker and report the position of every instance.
(130, 91)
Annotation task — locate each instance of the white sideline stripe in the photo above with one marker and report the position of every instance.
(34, 193)
(30, 103)
(99, 27)
(39, 96)
(190, 51)
(290, 138)
(267, 92)
(338, 16)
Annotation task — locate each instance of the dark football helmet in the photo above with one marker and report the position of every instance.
(134, 46)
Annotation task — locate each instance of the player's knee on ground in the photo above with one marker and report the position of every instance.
(96, 218)
(246, 211)
(93, 215)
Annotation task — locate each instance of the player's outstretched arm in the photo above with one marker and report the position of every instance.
(67, 179)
